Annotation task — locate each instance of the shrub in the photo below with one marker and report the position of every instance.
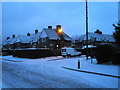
(116, 55)
(104, 53)
(108, 53)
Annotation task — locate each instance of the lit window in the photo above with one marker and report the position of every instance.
(57, 46)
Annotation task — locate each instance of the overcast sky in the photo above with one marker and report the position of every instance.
(19, 18)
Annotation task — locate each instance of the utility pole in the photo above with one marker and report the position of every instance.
(118, 11)
(87, 29)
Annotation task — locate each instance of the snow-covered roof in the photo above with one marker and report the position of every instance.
(35, 37)
(24, 39)
(4, 42)
(13, 40)
(52, 34)
(10, 41)
(98, 37)
(66, 37)
(81, 38)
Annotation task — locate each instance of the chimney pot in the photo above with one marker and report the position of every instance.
(58, 27)
(49, 27)
(36, 31)
(8, 38)
(13, 36)
(28, 34)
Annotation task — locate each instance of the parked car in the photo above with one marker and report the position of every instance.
(69, 52)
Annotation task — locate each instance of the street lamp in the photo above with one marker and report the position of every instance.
(60, 31)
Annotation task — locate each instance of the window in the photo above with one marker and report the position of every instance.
(34, 43)
(43, 39)
(51, 45)
(63, 50)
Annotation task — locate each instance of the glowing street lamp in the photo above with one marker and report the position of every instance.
(60, 30)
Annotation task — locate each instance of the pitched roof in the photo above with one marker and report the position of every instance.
(12, 40)
(98, 37)
(53, 35)
(4, 42)
(24, 39)
(9, 41)
(35, 37)
(66, 37)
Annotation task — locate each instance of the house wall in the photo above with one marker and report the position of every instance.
(22, 45)
(53, 44)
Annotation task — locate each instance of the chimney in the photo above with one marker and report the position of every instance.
(36, 31)
(98, 31)
(8, 38)
(28, 34)
(13, 36)
(59, 29)
(49, 27)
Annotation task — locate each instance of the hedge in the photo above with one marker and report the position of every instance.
(108, 53)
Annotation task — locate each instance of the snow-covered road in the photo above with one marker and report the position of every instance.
(48, 73)
(17, 75)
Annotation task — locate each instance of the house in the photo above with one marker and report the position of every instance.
(53, 38)
(9, 43)
(48, 38)
(95, 39)
(35, 37)
(21, 41)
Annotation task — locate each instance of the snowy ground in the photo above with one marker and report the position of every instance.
(48, 73)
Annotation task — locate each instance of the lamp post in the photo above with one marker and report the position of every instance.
(86, 29)
(60, 31)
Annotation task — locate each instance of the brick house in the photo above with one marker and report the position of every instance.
(94, 39)
(21, 41)
(48, 38)
(35, 37)
(53, 38)
(9, 43)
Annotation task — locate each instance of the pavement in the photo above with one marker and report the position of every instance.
(91, 72)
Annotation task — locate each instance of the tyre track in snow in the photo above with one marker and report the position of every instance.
(13, 79)
(17, 76)
(18, 79)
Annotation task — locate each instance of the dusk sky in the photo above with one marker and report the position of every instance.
(19, 18)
